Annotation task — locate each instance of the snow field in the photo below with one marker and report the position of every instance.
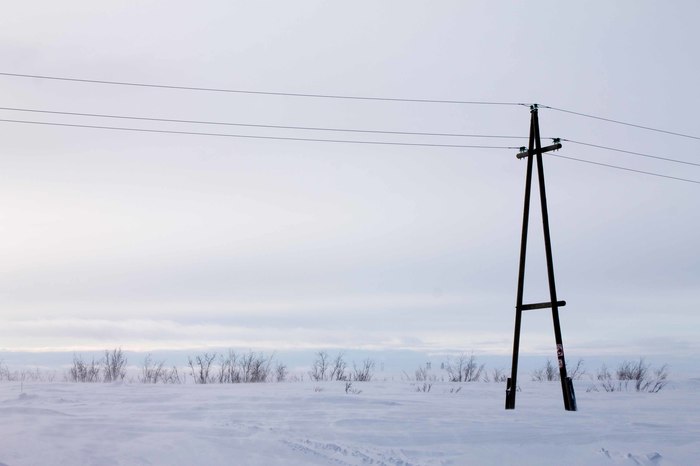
(307, 423)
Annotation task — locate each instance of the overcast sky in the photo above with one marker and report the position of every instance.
(146, 241)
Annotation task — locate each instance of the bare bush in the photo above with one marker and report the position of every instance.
(642, 377)
(255, 367)
(4, 371)
(281, 372)
(114, 365)
(171, 376)
(364, 372)
(421, 374)
(550, 372)
(32, 375)
(659, 380)
(425, 388)
(606, 380)
(464, 369)
(637, 374)
(319, 367)
(229, 369)
(248, 367)
(25, 375)
(156, 372)
(151, 371)
(547, 373)
(82, 371)
(498, 375)
(578, 371)
(200, 367)
(351, 390)
(338, 367)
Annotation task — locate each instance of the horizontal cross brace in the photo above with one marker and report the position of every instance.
(528, 152)
(547, 305)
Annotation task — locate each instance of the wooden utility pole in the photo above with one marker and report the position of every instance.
(535, 149)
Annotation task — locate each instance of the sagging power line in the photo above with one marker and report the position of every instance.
(337, 141)
(616, 167)
(272, 93)
(624, 123)
(326, 129)
(248, 136)
(624, 151)
(347, 130)
(340, 96)
(256, 125)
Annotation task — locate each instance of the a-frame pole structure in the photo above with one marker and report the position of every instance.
(535, 150)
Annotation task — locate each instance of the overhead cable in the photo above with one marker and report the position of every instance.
(273, 93)
(610, 120)
(246, 136)
(625, 168)
(252, 125)
(631, 152)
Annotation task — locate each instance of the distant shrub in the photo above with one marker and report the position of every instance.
(498, 375)
(349, 389)
(636, 375)
(150, 370)
(232, 368)
(281, 372)
(464, 369)
(545, 374)
(4, 372)
(82, 371)
(550, 372)
(229, 369)
(200, 368)
(156, 372)
(422, 374)
(114, 365)
(255, 367)
(319, 367)
(338, 367)
(364, 372)
(25, 375)
(425, 388)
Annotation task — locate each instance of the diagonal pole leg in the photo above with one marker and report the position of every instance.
(512, 384)
(566, 383)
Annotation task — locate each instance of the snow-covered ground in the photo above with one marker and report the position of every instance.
(305, 423)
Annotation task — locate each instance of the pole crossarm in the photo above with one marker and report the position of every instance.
(526, 153)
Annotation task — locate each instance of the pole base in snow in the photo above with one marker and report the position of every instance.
(510, 395)
(570, 399)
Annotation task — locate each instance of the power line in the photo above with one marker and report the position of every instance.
(632, 152)
(648, 128)
(337, 96)
(241, 91)
(245, 136)
(250, 125)
(625, 168)
(194, 133)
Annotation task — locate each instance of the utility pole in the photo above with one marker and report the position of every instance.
(535, 150)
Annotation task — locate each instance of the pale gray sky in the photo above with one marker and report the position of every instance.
(168, 241)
